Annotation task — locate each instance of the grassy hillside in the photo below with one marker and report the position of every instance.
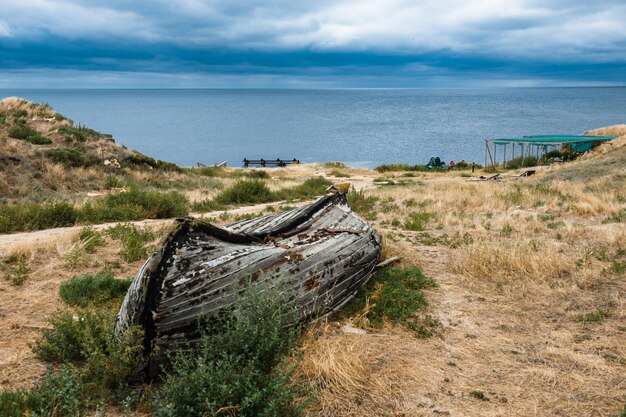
(43, 153)
(55, 174)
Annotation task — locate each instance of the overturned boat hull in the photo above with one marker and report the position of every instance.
(319, 255)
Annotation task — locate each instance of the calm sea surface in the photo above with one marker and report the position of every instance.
(358, 127)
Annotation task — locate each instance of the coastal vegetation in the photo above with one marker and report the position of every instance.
(503, 291)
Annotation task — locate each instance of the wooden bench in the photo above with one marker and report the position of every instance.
(269, 162)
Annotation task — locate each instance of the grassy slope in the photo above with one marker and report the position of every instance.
(64, 159)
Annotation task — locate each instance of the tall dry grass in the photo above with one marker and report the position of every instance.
(518, 262)
(353, 374)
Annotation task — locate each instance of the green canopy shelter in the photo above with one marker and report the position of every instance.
(538, 146)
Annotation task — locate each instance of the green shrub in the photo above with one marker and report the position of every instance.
(57, 394)
(133, 248)
(417, 220)
(362, 204)
(61, 393)
(255, 191)
(205, 205)
(338, 174)
(49, 215)
(21, 131)
(107, 364)
(406, 167)
(393, 294)
(133, 240)
(79, 134)
(142, 160)
(209, 171)
(20, 113)
(134, 205)
(254, 173)
(595, 316)
(72, 338)
(69, 157)
(36, 216)
(156, 205)
(19, 403)
(515, 163)
(17, 268)
(239, 366)
(311, 188)
(90, 239)
(334, 164)
(246, 192)
(38, 139)
(616, 218)
(94, 290)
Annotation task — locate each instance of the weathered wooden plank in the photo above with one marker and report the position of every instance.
(317, 254)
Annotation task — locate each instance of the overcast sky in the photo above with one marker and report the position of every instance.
(310, 44)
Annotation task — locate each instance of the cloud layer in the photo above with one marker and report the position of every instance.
(334, 43)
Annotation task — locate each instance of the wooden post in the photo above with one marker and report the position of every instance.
(513, 157)
(486, 147)
(522, 163)
(490, 157)
(505, 156)
(495, 156)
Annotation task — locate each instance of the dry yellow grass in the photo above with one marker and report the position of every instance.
(511, 298)
(520, 264)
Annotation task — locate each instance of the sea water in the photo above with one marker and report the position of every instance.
(360, 127)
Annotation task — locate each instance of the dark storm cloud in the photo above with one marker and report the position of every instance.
(333, 43)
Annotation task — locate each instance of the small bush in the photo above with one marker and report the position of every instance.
(209, 171)
(616, 218)
(69, 157)
(253, 173)
(507, 230)
(72, 338)
(20, 113)
(362, 204)
(338, 174)
(38, 140)
(595, 316)
(479, 395)
(393, 294)
(57, 394)
(79, 134)
(417, 220)
(134, 205)
(17, 269)
(94, 290)
(90, 239)
(515, 163)
(334, 164)
(239, 367)
(143, 160)
(21, 131)
(311, 188)
(106, 365)
(406, 167)
(133, 240)
(36, 216)
(18, 403)
(246, 192)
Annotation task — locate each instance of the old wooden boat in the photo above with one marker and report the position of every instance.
(320, 254)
